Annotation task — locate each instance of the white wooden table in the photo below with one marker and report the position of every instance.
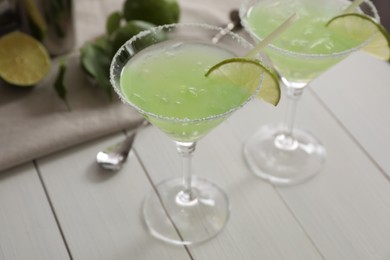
(64, 207)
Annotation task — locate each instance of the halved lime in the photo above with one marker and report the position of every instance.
(248, 73)
(24, 61)
(360, 28)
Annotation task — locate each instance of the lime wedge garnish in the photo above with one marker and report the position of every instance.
(24, 61)
(248, 73)
(360, 28)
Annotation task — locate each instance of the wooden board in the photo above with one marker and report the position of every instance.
(100, 211)
(28, 228)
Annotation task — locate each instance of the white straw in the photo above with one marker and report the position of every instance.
(353, 6)
(293, 18)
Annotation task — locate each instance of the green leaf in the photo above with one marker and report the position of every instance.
(94, 60)
(131, 28)
(59, 84)
(96, 63)
(105, 44)
(103, 81)
(113, 22)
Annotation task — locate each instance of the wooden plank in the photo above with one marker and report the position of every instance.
(260, 225)
(358, 93)
(99, 211)
(345, 209)
(28, 227)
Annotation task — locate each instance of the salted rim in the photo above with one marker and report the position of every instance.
(117, 87)
(244, 7)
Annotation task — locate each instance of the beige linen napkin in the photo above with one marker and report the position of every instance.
(35, 122)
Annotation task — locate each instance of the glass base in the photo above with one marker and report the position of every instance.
(283, 161)
(174, 218)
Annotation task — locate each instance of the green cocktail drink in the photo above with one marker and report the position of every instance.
(161, 73)
(283, 154)
(169, 81)
(295, 52)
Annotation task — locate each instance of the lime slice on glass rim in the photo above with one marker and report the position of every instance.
(248, 73)
(24, 61)
(361, 28)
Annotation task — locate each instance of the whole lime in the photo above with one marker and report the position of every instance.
(124, 33)
(158, 12)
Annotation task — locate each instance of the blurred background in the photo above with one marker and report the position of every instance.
(383, 7)
(13, 16)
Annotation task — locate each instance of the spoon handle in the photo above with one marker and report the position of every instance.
(228, 28)
(114, 156)
(127, 144)
(235, 23)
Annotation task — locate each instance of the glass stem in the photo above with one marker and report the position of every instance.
(285, 140)
(186, 149)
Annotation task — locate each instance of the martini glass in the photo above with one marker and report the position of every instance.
(160, 73)
(282, 153)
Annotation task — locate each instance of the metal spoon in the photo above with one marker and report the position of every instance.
(234, 24)
(113, 157)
